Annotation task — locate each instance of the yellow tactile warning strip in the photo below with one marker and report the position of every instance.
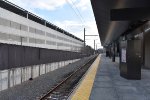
(84, 90)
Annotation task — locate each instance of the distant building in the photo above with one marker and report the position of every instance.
(20, 27)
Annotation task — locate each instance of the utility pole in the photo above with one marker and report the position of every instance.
(84, 37)
(89, 35)
(94, 46)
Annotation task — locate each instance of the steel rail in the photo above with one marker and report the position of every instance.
(63, 81)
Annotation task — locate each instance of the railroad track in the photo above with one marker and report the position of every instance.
(63, 89)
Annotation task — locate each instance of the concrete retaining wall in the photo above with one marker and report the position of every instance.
(12, 77)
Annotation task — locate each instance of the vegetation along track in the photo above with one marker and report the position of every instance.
(63, 89)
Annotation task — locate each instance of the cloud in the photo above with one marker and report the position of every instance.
(72, 26)
(83, 4)
(76, 28)
(39, 4)
(51, 4)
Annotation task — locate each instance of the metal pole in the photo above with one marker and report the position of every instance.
(94, 45)
(84, 37)
(96, 48)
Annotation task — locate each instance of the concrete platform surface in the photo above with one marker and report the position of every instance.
(108, 85)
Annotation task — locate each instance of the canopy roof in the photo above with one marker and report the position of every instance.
(116, 17)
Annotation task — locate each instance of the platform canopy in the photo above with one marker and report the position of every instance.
(117, 17)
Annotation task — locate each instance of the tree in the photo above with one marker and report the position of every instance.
(88, 50)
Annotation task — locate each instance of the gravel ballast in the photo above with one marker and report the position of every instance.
(30, 90)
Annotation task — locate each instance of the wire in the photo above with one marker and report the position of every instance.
(78, 10)
(78, 14)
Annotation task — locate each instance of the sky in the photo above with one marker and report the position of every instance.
(70, 15)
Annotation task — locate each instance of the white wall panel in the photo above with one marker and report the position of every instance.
(23, 74)
(0, 81)
(48, 68)
(42, 69)
(4, 79)
(11, 78)
(28, 75)
(24, 24)
(52, 66)
(35, 71)
(55, 66)
(17, 76)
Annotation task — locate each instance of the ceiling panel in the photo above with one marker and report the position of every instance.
(110, 30)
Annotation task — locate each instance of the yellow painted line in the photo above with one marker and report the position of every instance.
(84, 90)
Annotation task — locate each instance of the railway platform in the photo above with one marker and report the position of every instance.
(103, 82)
